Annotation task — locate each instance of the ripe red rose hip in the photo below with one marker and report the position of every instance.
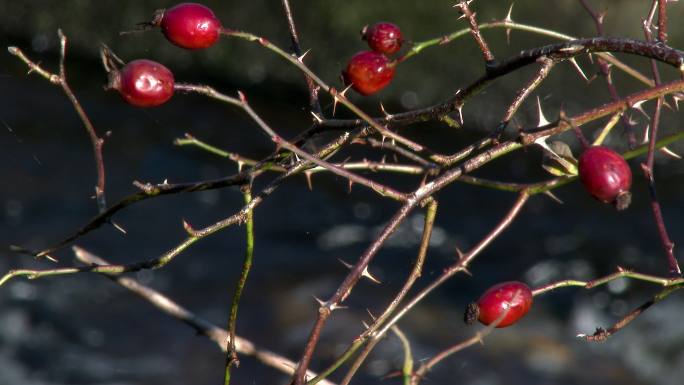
(368, 72)
(383, 37)
(143, 83)
(606, 176)
(510, 300)
(189, 25)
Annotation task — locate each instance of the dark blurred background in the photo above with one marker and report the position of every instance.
(86, 330)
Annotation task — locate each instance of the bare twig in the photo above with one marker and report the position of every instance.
(296, 48)
(61, 81)
(668, 245)
(475, 31)
(601, 334)
(231, 355)
(203, 327)
(606, 71)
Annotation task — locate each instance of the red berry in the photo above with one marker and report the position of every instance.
(606, 176)
(383, 37)
(510, 300)
(189, 25)
(368, 72)
(143, 83)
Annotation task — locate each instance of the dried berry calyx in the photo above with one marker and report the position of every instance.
(383, 37)
(606, 176)
(368, 72)
(503, 305)
(189, 25)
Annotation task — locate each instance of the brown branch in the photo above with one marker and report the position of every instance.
(150, 191)
(61, 81)
(662, 21)
(601, 334)
(475, 31)
(296, 48)
(203, 327)
(606, 72)
(560, 51)
(524, 92)
(668, 245)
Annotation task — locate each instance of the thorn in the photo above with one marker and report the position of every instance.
(373, 317)
(297, 159)
(459, 109)
(116, 226)
(317, 118)
(49, 257)
(188, 228)
(509, 19)
(423, 181)
(308, 174)
(632, 121)
(646, 134)
(573, 61)
(639, 107)
(676, 97)
(165, 182)
(466, 271)
(368, 275)
(542, 118)
(383, 160)
(301, 58)
(320, 301)
(337, 96)
(388, 116)
(553, 197)
(459, 253)
(350, 186)
(242, 97)
(366, 325)
(345, 263)
(670, 153)
(240, 164)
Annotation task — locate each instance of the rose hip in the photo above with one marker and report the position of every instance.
(507, 302)
(383, 37)
(606, 176)
(189, 25)
(143, 83)
(368, 72)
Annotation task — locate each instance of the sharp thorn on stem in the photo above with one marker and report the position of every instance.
(542, 119)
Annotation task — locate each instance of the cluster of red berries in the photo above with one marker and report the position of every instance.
(145, 83)
(370, 71)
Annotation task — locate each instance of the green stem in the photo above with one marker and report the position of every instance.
(417, 47)
(407, 367)
(621, 273)
(231, 356)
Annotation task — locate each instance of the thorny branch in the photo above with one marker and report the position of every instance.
(203, 327)
(668, 245)
(437, 170)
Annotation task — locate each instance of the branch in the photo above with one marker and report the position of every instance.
(60, 80)
(201, 326)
